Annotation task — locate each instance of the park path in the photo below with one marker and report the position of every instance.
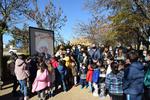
(73, 94)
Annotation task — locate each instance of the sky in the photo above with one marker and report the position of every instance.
(75, 13)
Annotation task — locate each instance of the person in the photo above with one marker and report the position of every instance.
(95, 54)
(95, 77)
(82, 74)
(134, 78)
(22, 74)
(11, 69)
(120, 55)
(89, 76)
(51, 71)
(42, 81)
(74, 72)
(114, 82)
(62, 75)
(102, 78)
(147, 78)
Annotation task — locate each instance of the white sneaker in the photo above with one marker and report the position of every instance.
(26, 98)
(95, 94)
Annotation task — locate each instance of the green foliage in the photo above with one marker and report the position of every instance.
(128, 20)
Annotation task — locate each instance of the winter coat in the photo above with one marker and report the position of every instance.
(134, 79)
(95, 55)
(89, 74)
(83, 72)
(41, 81)
(21, 70)
(54, 62)
(62, 70)
(74, 70)
(67, 59)
(96, 74)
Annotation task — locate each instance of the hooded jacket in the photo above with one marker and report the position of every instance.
(21, 70)
(134, 78)
(41, 81)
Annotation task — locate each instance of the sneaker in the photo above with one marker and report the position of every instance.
(81, 87)
(95, 94)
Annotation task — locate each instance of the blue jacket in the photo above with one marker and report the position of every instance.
(134, 79)
(95, 77)
(61, 70)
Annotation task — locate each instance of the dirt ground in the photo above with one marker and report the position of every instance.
(74, 93)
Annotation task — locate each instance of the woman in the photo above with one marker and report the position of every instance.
(22, 73)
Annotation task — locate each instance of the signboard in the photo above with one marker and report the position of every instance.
(41, 41)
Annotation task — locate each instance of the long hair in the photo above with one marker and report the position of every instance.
(42, 66)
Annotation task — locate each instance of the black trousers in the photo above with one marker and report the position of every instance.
(15, 83)
(147, 94)
(117, 97)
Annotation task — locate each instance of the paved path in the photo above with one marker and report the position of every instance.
(73, 94)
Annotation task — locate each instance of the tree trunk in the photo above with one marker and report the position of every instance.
(1, 58)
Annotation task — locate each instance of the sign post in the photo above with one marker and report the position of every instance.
(41, 41)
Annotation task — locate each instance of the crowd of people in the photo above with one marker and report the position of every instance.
(121, 72)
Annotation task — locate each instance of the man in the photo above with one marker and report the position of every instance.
(95, 54)
(134, 78)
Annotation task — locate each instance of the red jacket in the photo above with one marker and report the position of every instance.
(54, 62)
(89, 74)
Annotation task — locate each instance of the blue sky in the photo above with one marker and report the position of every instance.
(75, 13)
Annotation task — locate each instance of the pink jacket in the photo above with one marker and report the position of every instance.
(41, 82)
(21, 70)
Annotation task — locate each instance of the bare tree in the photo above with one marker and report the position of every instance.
(11, 11)
(50, 18)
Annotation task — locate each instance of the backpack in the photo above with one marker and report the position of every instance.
(147, 78)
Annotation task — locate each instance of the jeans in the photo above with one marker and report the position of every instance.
(90, 86)
(23, 87)
(83, 83)
(134, 96)
(63, 82)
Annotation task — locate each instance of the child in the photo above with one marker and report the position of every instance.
(114, 82)
(74, 72)
(82, 74)
(102, 81)
(89, 76)
(41, 81)
(52, 79)
(95, 78)
(62, 74)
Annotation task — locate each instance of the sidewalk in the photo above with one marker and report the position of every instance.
(74, 94)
